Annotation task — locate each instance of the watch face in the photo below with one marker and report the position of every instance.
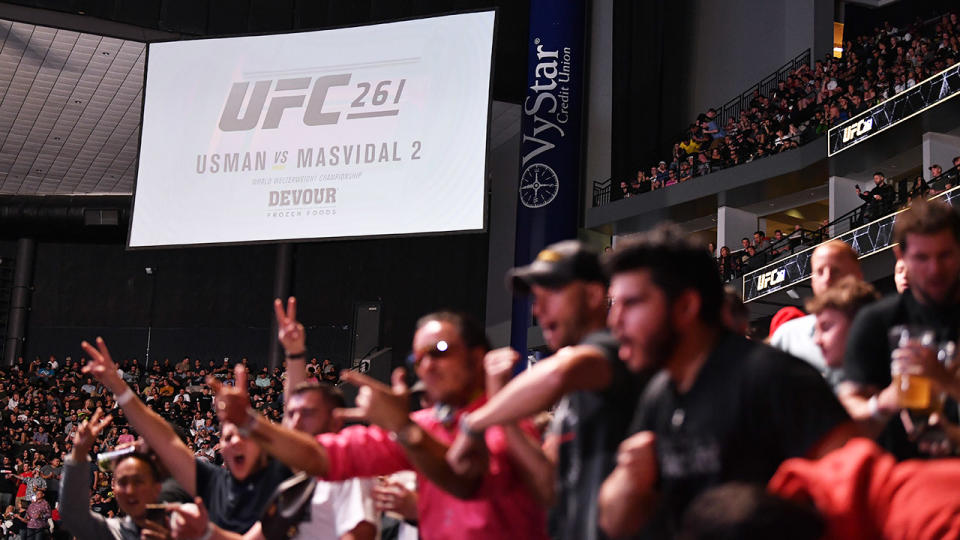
(538, 186)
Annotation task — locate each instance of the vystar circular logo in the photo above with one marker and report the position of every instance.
(538, 186)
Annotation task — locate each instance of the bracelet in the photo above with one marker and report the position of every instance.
(302, 355)
(467, 430)
(124, 397)
(248, 426)
(209, 533)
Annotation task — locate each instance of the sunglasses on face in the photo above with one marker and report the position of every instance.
(438, 350)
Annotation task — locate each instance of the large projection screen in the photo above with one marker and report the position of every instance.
(364, 131)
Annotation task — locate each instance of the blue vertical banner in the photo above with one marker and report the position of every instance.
(549, 186)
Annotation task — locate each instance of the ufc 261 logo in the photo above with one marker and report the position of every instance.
(299, 93)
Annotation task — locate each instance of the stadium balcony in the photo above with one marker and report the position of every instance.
(774, 285)
(907, 136)
(812, 184)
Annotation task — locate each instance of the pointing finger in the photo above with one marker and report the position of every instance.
(359, 379)
(240, 375)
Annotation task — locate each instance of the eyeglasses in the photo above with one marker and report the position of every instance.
(440, 349)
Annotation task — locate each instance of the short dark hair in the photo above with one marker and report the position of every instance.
(469, 328)
(331, 395)
(739, 511)
(675, 263)
(144, 458)
(880, 174)
(926, 217)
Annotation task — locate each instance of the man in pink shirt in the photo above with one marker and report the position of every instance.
(491, 502)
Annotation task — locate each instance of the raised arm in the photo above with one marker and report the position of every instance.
(75, 511)
(291, 335)
(175, 455)
(295, 449)
(387, 407)
(538, 472)
(581, 367)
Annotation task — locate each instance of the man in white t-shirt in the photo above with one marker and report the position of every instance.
(828, 264)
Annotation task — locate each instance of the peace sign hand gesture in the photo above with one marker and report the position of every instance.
(289, 331)
(102, 367)
(87, 434)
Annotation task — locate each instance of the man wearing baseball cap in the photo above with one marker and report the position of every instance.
(596, 391)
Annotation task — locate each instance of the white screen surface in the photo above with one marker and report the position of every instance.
(374, 130)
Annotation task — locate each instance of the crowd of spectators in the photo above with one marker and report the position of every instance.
(883, 197)
(808, 102)
(44, 402)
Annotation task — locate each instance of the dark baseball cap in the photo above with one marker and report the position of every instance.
(557, 265)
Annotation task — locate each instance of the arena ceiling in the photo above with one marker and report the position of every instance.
(70, 103)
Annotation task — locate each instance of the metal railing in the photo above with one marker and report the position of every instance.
(601, 192)
(868, 230)
(803, 238)
(732, 108)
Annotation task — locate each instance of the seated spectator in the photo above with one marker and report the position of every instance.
(879, 200)
(728, 264)
(919, 188)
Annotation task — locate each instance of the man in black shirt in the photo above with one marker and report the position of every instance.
(596, 392)
(879, 199)
(928, 243)
(721, 409)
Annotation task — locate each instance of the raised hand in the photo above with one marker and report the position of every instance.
(102, 367)
(391, 496)
(151, 530)
(498, 365)
(189, 520)
(289, 331)
(232, 402)
(378, 403)
(88, 432)
(637, 458)
(468, 455)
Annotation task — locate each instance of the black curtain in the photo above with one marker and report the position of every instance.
(650, 46)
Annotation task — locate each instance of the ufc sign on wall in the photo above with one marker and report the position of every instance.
(365, 131)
